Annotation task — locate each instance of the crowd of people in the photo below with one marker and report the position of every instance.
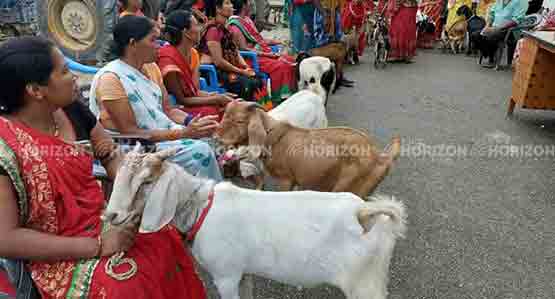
(50, 204)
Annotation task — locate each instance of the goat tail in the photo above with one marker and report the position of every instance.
(393, 149)
(383, 211)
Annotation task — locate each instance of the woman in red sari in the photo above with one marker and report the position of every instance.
(279, 67)
(402, 31)
(353, 17)
(180, 62)
(50, 203)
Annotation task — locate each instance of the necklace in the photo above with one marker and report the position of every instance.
(56, 127)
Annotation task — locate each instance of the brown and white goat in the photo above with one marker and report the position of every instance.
(336, 159)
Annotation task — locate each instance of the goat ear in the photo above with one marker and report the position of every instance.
(166, 153)
(328, 79)
(257, 134)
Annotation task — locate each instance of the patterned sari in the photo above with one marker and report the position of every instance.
(57, 194)
(145, 98)
(250, 89)
(402, 33)
(281, 70)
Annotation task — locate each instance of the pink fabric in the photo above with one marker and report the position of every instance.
(214, 35)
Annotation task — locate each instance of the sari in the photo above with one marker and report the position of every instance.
(452, 7)
(353, 17)
(402, 32)
(170, 60)
(434, 10)
(57, 194)
(250, 89)
(145, 98)
(281, 71)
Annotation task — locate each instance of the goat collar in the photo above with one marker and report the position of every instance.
(196, 227)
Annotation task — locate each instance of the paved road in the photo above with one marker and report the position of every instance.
(481, 225)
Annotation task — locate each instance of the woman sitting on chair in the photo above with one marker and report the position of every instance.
(179, 63)
(280, 68)
(128, 95)
(217, 47)
(50, 203)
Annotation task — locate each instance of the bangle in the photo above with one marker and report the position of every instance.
(188, 119)
(99, 250)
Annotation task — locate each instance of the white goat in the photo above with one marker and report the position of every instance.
(304, 109)
(318, 74)
(303, 238)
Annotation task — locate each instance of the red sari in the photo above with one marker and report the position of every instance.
(171, 60)
(402, 31)
(58, 194)
(353, 15)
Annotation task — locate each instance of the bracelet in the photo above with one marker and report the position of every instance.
(99, 250)
(188, 119)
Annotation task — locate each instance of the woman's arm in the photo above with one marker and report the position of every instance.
(175, 114)
(172, 82)
(122, 116)
(23, 243)
(106, 150)
(216, 53)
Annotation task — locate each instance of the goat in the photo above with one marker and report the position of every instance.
(336, 52)
(331, 159)
(303, 238)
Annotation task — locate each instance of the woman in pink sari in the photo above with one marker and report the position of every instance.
(402, 31)
(50, 203)
(279, 67)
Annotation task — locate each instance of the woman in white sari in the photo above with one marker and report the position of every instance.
(128, 95)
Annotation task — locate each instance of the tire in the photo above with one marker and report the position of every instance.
(87, 36)
(151, 8)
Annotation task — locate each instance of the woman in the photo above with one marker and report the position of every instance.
(128, 95)
(280, 67)
(353, 17)
(434, 10)
(50, 204)
(217, 47)
(301, 24)
(179, 63)
(402, 31)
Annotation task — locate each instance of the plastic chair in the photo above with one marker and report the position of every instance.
(210, 76)
(253, 58)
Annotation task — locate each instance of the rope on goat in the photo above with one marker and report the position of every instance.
(118, 260)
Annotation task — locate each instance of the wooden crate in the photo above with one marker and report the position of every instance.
(534, 78)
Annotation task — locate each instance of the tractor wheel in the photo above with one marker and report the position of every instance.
(80, 28)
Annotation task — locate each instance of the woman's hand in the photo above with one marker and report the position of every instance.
(200, 127)
(223, 100)
(118, 239)
(248, 72)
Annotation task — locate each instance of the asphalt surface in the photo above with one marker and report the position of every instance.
(481, 222)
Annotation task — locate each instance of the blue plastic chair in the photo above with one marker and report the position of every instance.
(210, 76)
